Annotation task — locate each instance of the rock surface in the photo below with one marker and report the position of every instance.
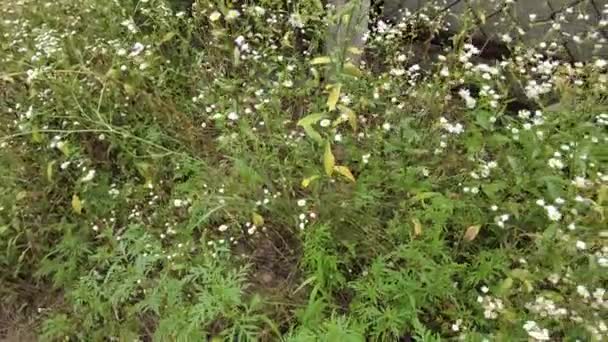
(579, 27)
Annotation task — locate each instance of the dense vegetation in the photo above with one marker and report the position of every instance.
(177, 173)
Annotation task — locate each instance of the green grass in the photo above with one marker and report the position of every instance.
(162, 179)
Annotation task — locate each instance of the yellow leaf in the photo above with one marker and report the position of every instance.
(344, 171)
(306, 181)
(257, 219)
(320, 60)
(49, 170)
(329, 161)
(350, 114)
(334, 95)
(76, 204)
(355, 50)
(167, 37)
(417, 227)
(471, 233)
(351, 69)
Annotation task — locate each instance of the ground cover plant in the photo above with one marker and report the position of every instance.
(212, 171)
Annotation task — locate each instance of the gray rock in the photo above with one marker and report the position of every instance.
(579, 34)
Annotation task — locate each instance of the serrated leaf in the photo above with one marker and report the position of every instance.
(257, 219)
(329, 161)
(311, 132)
(49, 170)
(320, 60)
(334, 96)
(306, 181)
(350, 114)
(351, 69)
(311, 119)
(417, 227)
(345, 171)
(76, 204)
(471, 233)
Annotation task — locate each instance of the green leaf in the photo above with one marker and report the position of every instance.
(311, 132)
(329, 161)
(311, 119)
(334, 96)
(320, 60)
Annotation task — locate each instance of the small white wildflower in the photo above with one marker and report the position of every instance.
(494, 208)
(325, 123)
(215, 16)
(555, 163)
(581, 245)
(233, 116)
(386, 126)
(582, 291)
(301, 202)
(338, 137)
(222, 228)
(89, 176)
(560, 200)
(232, 14)
(137, 49)
(178, 203)
(553, 213)
(466, 96)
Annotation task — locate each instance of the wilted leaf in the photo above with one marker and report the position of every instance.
(329, 161)
(320, 60)
(471, 233)
(306, 181)
(417, 227)
(76, 204)
(350, 114)
(344, 171)
(257, 219)
(334, 95)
